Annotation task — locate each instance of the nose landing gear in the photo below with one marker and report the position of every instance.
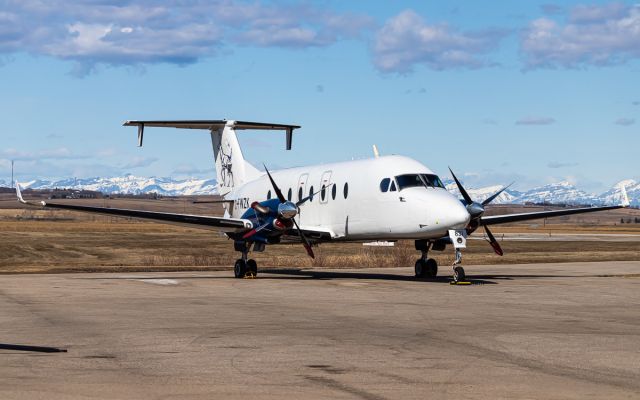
(458, 271)
(459, 240)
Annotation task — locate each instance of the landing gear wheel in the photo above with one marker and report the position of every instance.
(252, 266)
(240, 268)
(420, 268)
(426, 268)
(432, 268)
(458, 274)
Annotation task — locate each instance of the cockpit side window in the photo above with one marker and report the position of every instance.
(432, 180)
(393, 186)
(409, 180)
(384, 185)
(418, 180)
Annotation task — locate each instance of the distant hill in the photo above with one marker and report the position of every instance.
(556, 193)
(131, 184)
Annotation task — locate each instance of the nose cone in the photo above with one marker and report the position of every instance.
(457, 216)
(287, 210)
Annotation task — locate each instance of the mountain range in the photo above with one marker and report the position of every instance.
(562, 192)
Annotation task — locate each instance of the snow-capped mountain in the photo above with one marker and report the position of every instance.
(132, 185)
(479, 194)
(556, 193)
(612, 195)
(562, 192)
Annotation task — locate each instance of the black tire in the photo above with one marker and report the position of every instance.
(432, 268)
(420, 268)
(252, 266)
(458, 274)
(240, 268)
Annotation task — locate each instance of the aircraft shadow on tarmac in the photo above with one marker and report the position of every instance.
(36, 349)
(294, 273)
(331, 275)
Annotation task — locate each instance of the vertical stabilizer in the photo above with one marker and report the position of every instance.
(232, 170)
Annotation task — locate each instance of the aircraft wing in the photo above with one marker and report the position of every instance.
(195, 221)
(505, 219)
(314, 235)
(208, 124)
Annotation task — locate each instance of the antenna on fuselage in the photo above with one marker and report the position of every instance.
(376, 153)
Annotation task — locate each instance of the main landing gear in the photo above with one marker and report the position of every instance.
(244, 268)
(425, 267)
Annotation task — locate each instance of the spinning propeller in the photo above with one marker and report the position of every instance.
(287, 211)
(476, 210)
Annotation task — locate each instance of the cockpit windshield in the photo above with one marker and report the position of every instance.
(419, 180)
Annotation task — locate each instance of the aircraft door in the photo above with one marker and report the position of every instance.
(301, 190)
(325, 189)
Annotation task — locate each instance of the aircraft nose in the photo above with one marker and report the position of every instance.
(458, 216)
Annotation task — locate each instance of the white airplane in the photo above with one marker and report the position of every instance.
(379, 199)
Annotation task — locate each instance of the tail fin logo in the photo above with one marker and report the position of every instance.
(226, 166)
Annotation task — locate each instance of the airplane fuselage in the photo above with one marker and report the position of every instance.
(362, 199)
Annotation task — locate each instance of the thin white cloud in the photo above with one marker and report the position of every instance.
(590, 35)
(115, 32)
(60, 153)
(139, 162)
(187, 169)
(535, 121)
(552, 9)
(558, 164)
(625, 121)
(407, 40)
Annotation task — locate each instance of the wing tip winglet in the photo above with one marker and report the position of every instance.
(19, 194)
(625, 198)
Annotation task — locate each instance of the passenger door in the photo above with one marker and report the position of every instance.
(325, 190)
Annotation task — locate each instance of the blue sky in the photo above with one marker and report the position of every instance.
(530, 91)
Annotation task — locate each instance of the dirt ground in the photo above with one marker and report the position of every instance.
(35, 240)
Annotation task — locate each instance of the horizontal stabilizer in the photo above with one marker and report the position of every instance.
(211, 125)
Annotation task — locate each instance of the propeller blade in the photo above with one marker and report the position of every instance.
(254, 231)
(305, 242)
(493, 242)
(304, 200)
(463, 192)
(275, 187)
(493, 197)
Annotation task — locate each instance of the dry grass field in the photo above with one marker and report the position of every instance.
(36, 241)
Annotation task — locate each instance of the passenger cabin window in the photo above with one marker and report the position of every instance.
(418, 180)
(311, 194)
(289, 195)
(346, 190)
(384, 185)
(323, 192)
(299, 194)
(333, 191)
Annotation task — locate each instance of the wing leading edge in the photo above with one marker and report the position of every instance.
(504, 219)
(196, 221)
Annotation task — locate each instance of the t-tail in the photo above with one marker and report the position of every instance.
(232, 170)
